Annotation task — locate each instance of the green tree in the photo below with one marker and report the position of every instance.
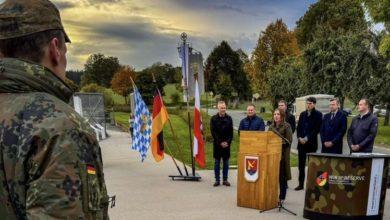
(75, 76)
(325, 17)
(146, 85)
(100, 69)
(274, 44)
(225, 61)
(379, 11)
(285, 80)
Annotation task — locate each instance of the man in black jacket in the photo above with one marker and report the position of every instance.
(282, 105)
(363, 129)
(221, 126)
(309, 126)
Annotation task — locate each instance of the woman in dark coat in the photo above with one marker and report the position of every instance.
(281, 128)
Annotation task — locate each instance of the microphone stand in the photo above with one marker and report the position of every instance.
(280, 206)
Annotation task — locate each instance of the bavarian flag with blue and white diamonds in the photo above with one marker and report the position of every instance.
(142, 125)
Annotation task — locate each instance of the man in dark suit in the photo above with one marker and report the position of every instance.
(221, 126)
(334, 126)
(363, 129)
(282, 105)
(309, 126)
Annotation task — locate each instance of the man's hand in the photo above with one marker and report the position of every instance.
(355, 147)
(224, 144)
(302, 140)
(328, 144)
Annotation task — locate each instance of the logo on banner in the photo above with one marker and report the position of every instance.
(322, 179)
(251, 168)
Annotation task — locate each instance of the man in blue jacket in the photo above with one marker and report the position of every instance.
(309, 125)
(363, 129)
(334, 126)
(252, 122)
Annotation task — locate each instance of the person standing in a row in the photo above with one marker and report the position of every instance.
(309, 126)
(221, 126)
(334, 126)
(282, 105)
(251, 122)
(283, 129)
(363, 129)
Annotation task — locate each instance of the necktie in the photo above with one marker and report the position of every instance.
(332, 116)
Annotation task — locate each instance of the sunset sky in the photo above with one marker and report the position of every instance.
(142, 32)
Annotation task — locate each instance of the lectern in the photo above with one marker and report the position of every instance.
(258, 170)
(346, 186)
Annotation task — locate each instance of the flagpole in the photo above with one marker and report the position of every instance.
(174, 137)
(184, 39)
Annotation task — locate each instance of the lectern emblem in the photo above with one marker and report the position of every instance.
(251, 168)
(322, 179)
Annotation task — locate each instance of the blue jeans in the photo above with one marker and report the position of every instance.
(217, 168)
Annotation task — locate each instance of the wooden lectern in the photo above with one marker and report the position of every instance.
(258, 170)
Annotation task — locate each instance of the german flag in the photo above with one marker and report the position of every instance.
(160, 117)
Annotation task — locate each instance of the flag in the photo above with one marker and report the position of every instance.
(198, 130)
(184, 55)
(160, 117)
(142, 125)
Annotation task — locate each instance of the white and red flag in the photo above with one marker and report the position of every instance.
(199, 143)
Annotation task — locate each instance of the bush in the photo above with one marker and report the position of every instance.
(107, 93)
(175, 98)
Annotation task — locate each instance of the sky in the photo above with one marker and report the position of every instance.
(143, 32)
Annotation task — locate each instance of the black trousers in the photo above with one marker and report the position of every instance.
(302, 153)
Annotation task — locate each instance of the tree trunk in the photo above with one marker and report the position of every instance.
(386, 122)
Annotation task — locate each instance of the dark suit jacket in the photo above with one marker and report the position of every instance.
(291, 120)
(308, 127)
(333, 130)
(221, 130)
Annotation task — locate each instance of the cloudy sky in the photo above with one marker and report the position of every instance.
(142, 32)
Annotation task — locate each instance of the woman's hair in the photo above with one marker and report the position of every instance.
(282, 115)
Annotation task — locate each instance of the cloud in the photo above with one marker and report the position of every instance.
(140, 32)
(62, 5)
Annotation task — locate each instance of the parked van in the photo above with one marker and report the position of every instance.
(322, 104)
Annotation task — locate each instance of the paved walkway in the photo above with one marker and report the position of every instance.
(144, 191)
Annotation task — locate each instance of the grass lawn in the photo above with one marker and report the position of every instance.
(122, 118)
(181, 129)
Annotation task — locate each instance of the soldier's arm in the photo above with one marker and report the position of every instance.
(59, 185)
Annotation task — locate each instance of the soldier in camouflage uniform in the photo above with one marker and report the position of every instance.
(50, 161)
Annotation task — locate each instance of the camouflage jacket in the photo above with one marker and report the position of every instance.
(50, 160)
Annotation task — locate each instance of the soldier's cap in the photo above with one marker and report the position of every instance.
(20, 18)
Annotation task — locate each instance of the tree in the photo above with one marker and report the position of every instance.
(122, 83)
(328, 16)
(100, 69)
(224, 61)
(146, 85)
(379, 11)
(75, 76)
(274, 44)
(285, 80)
